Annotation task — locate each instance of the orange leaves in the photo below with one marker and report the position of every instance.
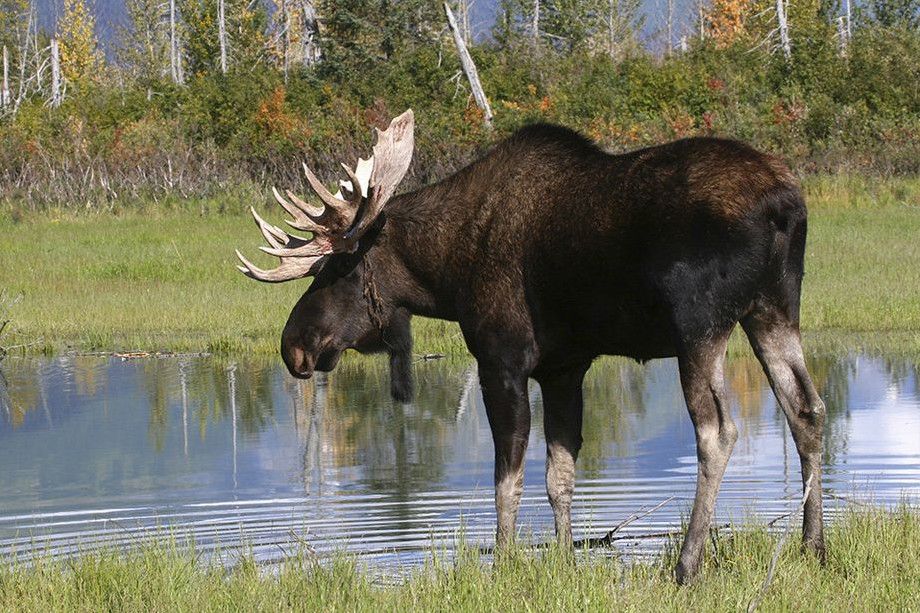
(275, 120)
(726, 20)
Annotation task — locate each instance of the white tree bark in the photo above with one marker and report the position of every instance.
(849, 20)
(535, 26)
(670, 26)
(56, 89)
(5, 87)
(311, 48)
(469, 68)
(285, 37)
(222, 34)
(175, 60)
(842, 37)
(785, 43)
(701, 18)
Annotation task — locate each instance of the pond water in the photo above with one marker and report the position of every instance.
(99, 451)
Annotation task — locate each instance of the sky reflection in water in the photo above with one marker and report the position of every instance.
(100, 451)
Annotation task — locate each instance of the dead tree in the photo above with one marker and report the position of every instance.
(57, 90)
(5, 87)
(670, 27)
(783, 27)
(310, 35)
(222, 35)
(175, 62)
(469, 68)
(535, 25)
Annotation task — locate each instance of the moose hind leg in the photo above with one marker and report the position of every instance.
(562, 419)
(776, 344)
(701, 374)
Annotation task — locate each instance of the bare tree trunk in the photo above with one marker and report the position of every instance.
(469, 68)
(36, 51)
(56, 94)
(849, 20)
(670, 27)
(701, 17)
(285, 38)
(611, 29)
(175, 62)
(784, 42)
(463, 8)
(222, 34)
(535, 26)
(311, 48)
(5, 88)
(842, 38)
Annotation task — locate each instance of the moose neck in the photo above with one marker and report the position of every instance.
(411, 261)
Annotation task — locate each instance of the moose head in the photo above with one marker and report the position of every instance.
(341, 310)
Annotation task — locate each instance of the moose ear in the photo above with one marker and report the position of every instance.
(398, 337)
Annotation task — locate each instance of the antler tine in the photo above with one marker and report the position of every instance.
(299, 209)
(290, 268)
(308, 249)
(276, 237)
(300, 221)
(356, 188)
(339, 206)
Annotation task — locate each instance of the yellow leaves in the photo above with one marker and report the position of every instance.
(80, 55)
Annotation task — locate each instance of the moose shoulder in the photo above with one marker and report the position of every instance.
(550, 252)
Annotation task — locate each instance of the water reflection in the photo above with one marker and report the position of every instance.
(100, 449)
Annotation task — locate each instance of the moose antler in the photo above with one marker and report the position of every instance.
(344, 217)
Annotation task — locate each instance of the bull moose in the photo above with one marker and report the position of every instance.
(550, 252)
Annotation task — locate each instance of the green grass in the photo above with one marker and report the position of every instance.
(873, 565)
(164, 278)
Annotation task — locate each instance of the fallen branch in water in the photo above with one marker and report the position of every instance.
(778, 549)
(608, 539)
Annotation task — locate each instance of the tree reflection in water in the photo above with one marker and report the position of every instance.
(346, 420)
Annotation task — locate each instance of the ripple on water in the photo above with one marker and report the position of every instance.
(236, 456)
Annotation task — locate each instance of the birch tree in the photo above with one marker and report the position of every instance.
(145, 45)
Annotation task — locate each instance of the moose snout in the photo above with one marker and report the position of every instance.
(298, 363)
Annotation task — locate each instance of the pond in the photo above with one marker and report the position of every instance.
(101, 451)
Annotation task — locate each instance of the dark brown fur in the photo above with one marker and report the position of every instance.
(550, 252)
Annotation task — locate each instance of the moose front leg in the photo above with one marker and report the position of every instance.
(562, 419)
(508, 409)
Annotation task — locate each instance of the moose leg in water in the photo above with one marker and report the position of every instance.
(508, 409)
(562, 419)
(701, 377)
(775, 340)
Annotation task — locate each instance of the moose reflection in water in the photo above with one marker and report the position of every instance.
(239, 454)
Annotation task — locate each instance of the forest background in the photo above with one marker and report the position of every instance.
(214, 100)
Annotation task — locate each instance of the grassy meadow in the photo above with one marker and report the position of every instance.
(163, 278)
(873, 564)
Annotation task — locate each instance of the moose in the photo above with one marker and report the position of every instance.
(550, 252)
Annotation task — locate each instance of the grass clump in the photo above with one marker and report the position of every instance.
(873, 564)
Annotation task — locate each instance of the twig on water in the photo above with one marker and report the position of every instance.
(778, 549)
(608, 539)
